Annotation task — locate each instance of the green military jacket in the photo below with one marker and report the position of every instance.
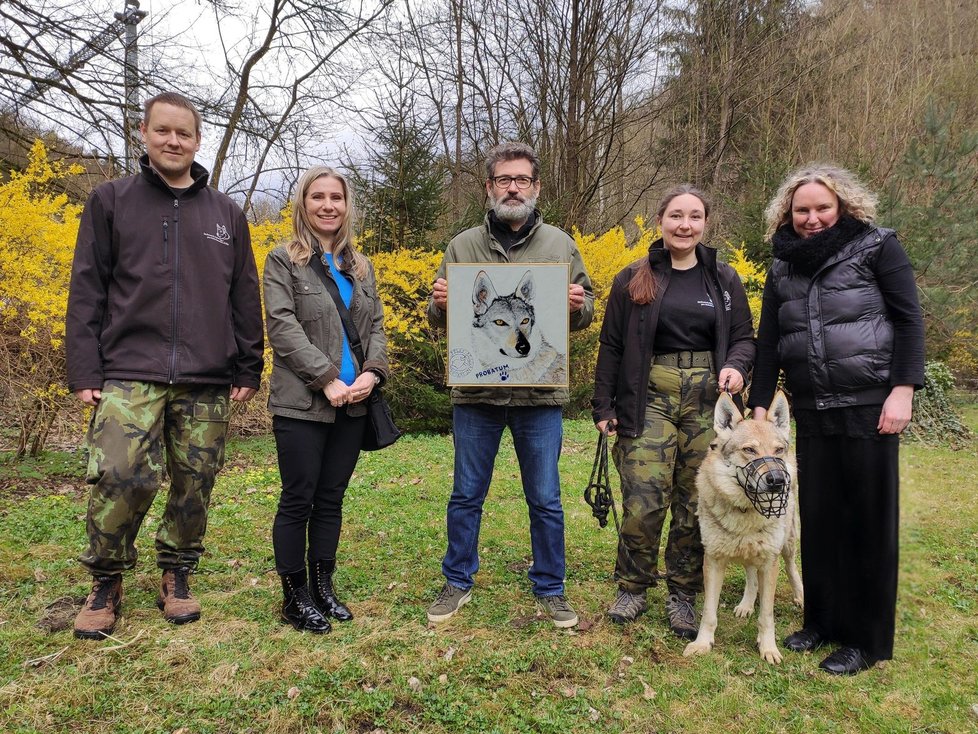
(543, 244)
(306, 336)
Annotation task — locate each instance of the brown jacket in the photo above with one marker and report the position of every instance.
(543, 244)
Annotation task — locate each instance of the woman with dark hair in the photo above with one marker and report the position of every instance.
(840, 316)
(320, 382)
(676, 331)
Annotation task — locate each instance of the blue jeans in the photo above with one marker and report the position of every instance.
(537, 435)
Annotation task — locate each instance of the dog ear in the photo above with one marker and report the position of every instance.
(483, 293)
(778, 414)
(524, 289)
(726, 415)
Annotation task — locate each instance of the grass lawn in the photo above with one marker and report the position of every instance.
(495, 667)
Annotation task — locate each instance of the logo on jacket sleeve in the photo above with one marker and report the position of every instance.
(222, 236)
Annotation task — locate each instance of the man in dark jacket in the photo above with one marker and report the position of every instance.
(163, 318)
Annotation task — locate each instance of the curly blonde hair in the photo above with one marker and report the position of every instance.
(304, 242)
(854, 198)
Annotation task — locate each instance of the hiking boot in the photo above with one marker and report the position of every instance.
(298, 608)
(175, 599)
(682, 615)
(323, 593)
(558, 609)
(627, 607)
(450, 600)
(98, 615)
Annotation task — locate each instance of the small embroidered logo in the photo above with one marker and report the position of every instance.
(222, 236)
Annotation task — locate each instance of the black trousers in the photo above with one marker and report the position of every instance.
(849, 508)
(316, 461)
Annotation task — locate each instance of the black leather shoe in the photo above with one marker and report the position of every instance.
(847, 661)
(803, 640)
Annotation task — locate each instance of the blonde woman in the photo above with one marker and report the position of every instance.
(318, 388)
(840, 317)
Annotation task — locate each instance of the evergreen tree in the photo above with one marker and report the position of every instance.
(930, 201)
(401, 185)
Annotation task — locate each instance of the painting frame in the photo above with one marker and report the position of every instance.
(490, 343)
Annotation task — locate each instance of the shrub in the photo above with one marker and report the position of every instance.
(935, 421)
(38, 227)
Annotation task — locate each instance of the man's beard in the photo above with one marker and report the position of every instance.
(511, 211)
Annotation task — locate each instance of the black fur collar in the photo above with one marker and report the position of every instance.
(807, 255)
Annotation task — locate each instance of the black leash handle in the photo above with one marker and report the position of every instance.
(598, 491)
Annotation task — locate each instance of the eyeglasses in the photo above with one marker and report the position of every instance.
(503, 182)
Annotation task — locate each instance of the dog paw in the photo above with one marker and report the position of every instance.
(799, 602)
(697, 648)
(772, 656)
(744, 610)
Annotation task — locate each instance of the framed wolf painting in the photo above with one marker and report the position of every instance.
(508, 324)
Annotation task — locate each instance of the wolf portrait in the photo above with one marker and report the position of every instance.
(506, 338)
(747, 485)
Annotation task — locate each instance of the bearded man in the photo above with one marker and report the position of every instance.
(513, 232)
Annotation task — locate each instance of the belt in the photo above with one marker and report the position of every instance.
(685, 360)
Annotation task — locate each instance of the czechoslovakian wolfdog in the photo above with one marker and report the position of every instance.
(504, 334)
(747, 515)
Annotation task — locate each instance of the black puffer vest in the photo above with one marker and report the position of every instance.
(836, 343)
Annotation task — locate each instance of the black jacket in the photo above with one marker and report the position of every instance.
(163, 287)
(621, 377)
(844, 334)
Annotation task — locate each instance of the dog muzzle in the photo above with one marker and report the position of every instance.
(767, 484)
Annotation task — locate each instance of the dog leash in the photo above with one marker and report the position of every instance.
(598, 491)
(601, 499)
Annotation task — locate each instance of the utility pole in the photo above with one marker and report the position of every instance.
(127, 20)
(130, 17)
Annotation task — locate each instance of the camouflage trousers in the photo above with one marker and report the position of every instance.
(133, 425)
(658, 472)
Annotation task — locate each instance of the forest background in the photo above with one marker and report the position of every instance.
(621, 99)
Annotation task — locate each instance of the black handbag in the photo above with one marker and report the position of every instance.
(381, 430)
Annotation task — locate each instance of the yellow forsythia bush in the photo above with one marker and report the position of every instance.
(38, 227)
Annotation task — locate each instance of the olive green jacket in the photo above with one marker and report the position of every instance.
(306, 336)
(543, 244)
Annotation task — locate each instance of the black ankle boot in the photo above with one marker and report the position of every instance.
(323, 593)
(298, 608)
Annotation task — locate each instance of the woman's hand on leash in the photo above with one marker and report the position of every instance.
(337, 393)
(897, 410)
(609, 426)
(730, 380)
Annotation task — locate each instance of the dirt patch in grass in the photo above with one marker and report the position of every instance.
(25, 488)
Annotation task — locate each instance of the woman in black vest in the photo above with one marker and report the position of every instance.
(677, 327)
(320, 382)
(840, 316)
